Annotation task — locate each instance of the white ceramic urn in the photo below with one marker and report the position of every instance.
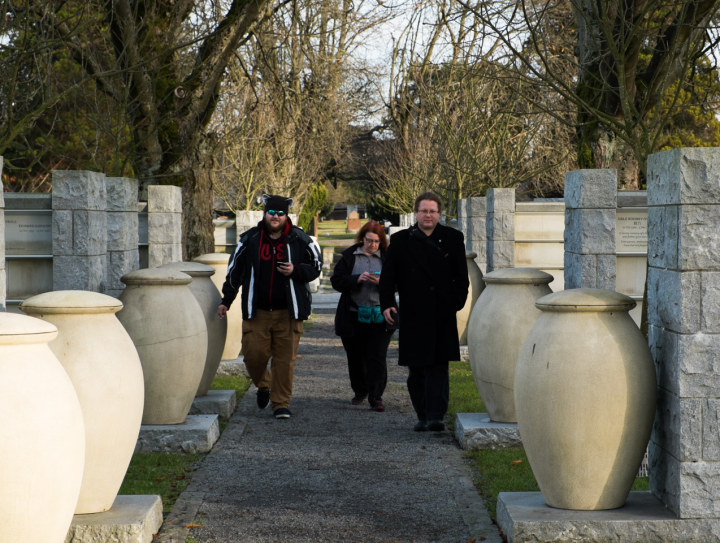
(233, 342)
(477, 285)
(104, 367)
(167, 326)
(208, 296)
(42, 451)
(585, 398)
(503, 315)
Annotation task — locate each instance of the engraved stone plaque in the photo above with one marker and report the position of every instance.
(631, 231)
(28, 232)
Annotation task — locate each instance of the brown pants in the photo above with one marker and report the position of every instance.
(272, 334)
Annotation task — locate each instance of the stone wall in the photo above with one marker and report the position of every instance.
(164, 225)
(3, 275)
(476, 230)
(122, 231)
(683, 293)
(590, 217)
(500, 229)
(79, 230)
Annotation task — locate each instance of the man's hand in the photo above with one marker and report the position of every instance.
(286, 268)
(222, 311)
(388, 315)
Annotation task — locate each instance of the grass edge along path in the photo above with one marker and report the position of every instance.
(166, 474)
(493, 471)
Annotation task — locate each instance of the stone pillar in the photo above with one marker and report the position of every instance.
(683, 294)
(79, 230)
(500, 229)
(122, 231)
(164, 225)
(3, 273)
(590, 209)
(476, 237)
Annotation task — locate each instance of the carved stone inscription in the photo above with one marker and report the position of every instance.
(631, 231)
(28, 232)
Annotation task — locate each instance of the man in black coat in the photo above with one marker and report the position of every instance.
(426, 265)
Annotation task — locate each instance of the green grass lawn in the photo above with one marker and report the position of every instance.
(167, 475)
(504, 470)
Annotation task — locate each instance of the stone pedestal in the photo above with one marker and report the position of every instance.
(132, 519)
(475, 431)
(475, 211)
(164, 225)
(122, 231)
(197, 434)
(3, 274)
(500, 229)
(233, 368)
(79, 230)
(215, 402)
(524, 517)
(590, 204)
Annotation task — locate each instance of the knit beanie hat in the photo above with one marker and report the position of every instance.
(278, 203)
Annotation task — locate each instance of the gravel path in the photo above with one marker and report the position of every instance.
(333, 472)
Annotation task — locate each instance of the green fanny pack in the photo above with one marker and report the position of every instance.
(370, 315)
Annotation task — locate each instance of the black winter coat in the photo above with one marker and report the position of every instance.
(243, 268)
(426, 290)
(346, 283)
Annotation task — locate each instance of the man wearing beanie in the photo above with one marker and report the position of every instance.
(273, 263)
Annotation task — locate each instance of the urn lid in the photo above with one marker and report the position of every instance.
(156, 276)
(585, 300)
(193, 269)
(470, 255)
(20, 329)
(518, 276)
(71, 302)
(213, 258)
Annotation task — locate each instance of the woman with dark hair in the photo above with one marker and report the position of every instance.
(358, 319)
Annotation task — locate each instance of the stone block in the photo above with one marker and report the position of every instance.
(477, 228)
(500, 226)
(89, 233)
(197, 434)
(699, 490)
(663, 237)
(122, 231)
(177, 228)
(580, 270)
(591, 189)
(62, 232)
(477, 207)
(710, 302)
(698, 240)
(711, 430)
(162, 228)
(664, 347)
(233, 368)
(122, 194)
(79, 273)
(678, 426)
(75, 189)
(664, 476)
(215, 402)
(26, 200)
(524, 517)
(606, 272)
(159, 254)
(674, 300)
(164, 199)
(131, 519)
(698, 364)
(462, 212)
(118, 264)
(475, 431)
(3, 288)
(500, 200)
(500, 254)
(590, 231)
(115, 293)
(684, 176)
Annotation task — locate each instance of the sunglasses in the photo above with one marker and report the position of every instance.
(272, 213)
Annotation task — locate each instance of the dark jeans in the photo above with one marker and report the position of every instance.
(366, 353)
(429, 389)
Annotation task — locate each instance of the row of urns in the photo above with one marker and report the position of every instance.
(575, 373)
(79, 376)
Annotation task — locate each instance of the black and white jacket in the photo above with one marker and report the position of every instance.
(244, 264)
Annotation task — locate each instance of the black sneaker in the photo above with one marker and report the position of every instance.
(357, 400)
(282, 413)
(263, 398)
(376, 405)
(421, 426)
(436, 426)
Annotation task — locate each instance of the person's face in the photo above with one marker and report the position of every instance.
(274, 222)
(427, 215)
(371, 242)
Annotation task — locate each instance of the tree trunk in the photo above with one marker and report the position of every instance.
(198, 200)
(609, 151)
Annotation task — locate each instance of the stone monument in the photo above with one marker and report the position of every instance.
(122, 231)
(500, 229)
(79, 230)
(164, 225)
(590, 216)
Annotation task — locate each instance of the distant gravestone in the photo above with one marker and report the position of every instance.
(353, 225)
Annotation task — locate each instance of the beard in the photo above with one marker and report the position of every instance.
(274, 229)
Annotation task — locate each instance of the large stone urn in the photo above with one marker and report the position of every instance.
(585, 398)
(167, 326)
(42, 450)
(503, 315)
(233, 342)
(208, 296)
(477, 285)
(104, 367)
